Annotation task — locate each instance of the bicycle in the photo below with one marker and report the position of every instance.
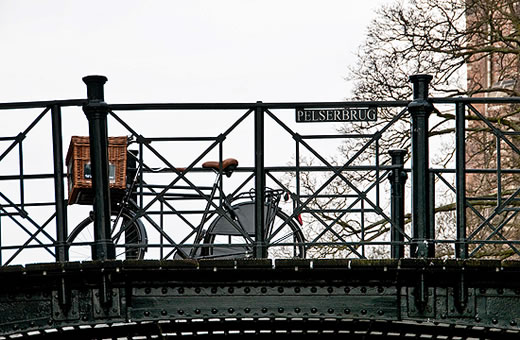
(227, 231)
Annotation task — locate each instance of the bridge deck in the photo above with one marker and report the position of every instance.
(189, 297)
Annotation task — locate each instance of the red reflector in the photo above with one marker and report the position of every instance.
(300, 220)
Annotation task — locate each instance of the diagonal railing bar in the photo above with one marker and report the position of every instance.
(481, 217)
(356, 201)
(25, 216)
(337, 173)
(157, 227)
(496, 211)
(342, 213)
(242, 185)
(492, 227)
(497, 232)
(30, 239)
(12, 218)
(23, 134)
(496, 132)
(169, 206)
(162, 232)
(193, 186)
(328, 227)
(182, 175)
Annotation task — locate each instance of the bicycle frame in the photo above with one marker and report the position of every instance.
(224, 209)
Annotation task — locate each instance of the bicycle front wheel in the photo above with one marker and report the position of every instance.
(225, 239)
(128, 235)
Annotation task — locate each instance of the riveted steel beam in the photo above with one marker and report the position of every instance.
(233, 294)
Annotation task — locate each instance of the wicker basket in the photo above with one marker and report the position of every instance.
(78, 169)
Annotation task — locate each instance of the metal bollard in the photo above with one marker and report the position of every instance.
(96, 111)
(397, 181)
(420, 109)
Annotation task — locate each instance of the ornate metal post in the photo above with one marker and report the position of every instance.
(420, 109)
(397, 181)
(96, 111)
(461, 248)
(260, 250)
(62, 253)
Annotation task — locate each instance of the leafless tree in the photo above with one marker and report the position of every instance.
(471, 48)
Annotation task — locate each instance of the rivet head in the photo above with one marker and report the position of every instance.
(214, 310)
(280, 310)
(197, 290)
(197, 311)
(330, 311)
(247, 310)
(346, 310)
(297, 289)
(494, 321)
(380, 312)
(230, 310)
(231, 290)
(180, 311)
(247, 290)
(164, 290)
(297, 310)
(363, 311)
(263, 290)
(147, 313)
(314, 310)
(146, 290)
(347, 290)
(500, 291)
(363, 290)
(214, 290)
(314, 290)
(330, 290)
(280, 290)
(264, 310)
(477, 319)
(512, 323)
(181, 290)
(380, 290)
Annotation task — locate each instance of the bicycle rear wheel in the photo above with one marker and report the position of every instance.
(225, 239)
(128, 234)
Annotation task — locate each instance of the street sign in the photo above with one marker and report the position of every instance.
(346, 114)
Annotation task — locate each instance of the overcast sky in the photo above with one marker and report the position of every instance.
(181, 51)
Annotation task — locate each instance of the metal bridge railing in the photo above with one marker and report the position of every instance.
(348, 191)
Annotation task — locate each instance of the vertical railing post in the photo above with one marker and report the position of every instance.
(461, 247)
(96, 111)
(62, 253)
(260, 250)
(431, 224)
(420, 109)
(397, 181)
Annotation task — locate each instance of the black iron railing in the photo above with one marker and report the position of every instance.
(348, 190)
